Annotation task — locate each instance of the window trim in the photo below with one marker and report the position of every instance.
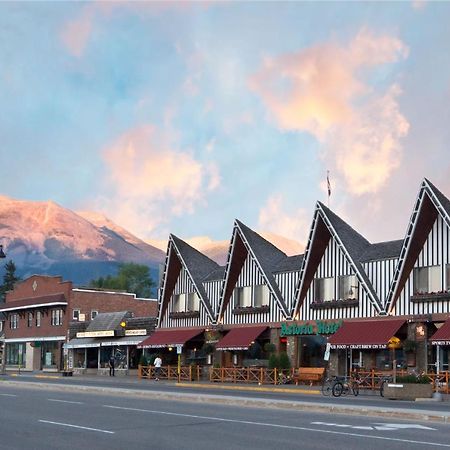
(94, 311)
(77, 318)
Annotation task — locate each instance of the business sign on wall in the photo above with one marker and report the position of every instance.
(310, 328)
(107, 333)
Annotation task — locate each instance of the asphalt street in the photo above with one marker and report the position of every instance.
(366, 398)
(35, 418)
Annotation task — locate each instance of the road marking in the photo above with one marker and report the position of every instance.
(378, 426)
(76, 426)
(63, 401)
(9, 395)
(274, 425)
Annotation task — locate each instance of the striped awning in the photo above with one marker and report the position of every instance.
(240, 338)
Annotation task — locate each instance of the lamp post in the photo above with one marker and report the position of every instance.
(3, 256)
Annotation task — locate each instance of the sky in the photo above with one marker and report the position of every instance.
(180, 117)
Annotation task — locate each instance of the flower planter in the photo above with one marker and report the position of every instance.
(407, 391)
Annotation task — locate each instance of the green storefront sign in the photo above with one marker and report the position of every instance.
(308, 328)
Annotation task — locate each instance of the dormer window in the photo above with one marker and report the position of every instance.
(348, 287)
(193, 302)
(243, 296)
(261, 295)
(179, 303)
(251, 296)
(427, 280)
(323, 290)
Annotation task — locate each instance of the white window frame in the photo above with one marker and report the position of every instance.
(243, 296)
(76, 314)
(348, 287)
(30, 322)
(38, 318)
(432, 274)
(94, 314)
(14, 321)
(57, 315)
(193, 302)
(328, 288)
(264, 298)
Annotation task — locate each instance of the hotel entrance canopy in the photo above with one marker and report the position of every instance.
(368, 334)
(442, 336)
(169, 338)
(240, 338)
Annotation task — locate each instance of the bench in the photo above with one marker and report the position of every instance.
(309, 374)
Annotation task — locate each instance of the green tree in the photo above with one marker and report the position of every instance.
(130, 277)
(9, 278)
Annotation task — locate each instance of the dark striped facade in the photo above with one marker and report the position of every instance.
(384, 272)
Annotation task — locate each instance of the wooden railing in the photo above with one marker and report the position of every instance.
(372, 379)
(187, 373)
(257, 375)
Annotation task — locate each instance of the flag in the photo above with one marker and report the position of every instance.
(328, 183)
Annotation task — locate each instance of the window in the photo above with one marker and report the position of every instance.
(323, 289)
(261, 295)
(38, 318)
(94, 314)
(348, 287)
(57, 317)
(193, 303)
(243, 296)
(14, 321)
(179, 303)
(76, 314)
(427, 279)
(2, 325)
(30, 320)
(447, 287)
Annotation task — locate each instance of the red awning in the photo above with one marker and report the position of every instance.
(240, 338)
(442, 336)
(169, 338)
(365, 334)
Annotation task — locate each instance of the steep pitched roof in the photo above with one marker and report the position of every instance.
(290, 264)
(108, 321)
(266, 256)
(326, 225)
(382, 250)
(198, 266)
(430, 204)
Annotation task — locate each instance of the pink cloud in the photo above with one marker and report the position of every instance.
(322, 90)
(151, 181)
(77, 32)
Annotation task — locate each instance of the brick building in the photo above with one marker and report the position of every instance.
(38, 312)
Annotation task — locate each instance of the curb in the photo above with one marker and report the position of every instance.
(421, 415)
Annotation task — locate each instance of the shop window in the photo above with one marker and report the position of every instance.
(427, 280)
(76, 314)
(30, 320)
(57, 317)
(323, 289)
(261, 295)
(193, 303)
(94, 314)
(348, 287)
(243, 296)
(50, 352)
(38, 318)
(14, 321)
(2, 325)
(15, 353)
(179, 303)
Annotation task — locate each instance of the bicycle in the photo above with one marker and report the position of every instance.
(384, 380)
(327, 385)
(344, 387)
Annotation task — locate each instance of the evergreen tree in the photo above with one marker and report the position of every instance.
(131, 277)
(9, 279)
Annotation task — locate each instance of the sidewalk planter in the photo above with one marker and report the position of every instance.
(407, 391)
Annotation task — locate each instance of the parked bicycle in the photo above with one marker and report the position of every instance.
(384, 380)
(345, 385)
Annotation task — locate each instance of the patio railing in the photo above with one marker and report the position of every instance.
(187, 373)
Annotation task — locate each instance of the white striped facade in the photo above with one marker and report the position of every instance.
(251, 276)
(435, 252)
(381, 274)
(333, 264)
(184, 285)
(213, 291)
(287, 282)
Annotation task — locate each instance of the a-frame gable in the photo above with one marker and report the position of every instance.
(328, 226)
(430, 204)
(265, 256)
(197, 266)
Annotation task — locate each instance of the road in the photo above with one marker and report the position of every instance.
(35, 418)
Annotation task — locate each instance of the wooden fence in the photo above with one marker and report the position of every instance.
(187, 373)
(257, 375)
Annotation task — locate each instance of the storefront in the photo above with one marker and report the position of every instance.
(367, 345)
(440, 342)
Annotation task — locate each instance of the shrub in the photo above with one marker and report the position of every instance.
(143, 360)
(273, 361)
(283, 361)
(269, 347)
(407, 379)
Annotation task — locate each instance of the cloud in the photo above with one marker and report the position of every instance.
(273, 218)
(322, 90)
(77, 32)
(152, 181)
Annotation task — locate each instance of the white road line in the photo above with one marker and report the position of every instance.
(63, 401)
(76, 426)
(274, 425)
(9, 395)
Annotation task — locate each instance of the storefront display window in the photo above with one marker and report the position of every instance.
(50, 354)
(15, 354)
(312, 350)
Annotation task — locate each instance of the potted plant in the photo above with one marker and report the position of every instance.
(409, 387)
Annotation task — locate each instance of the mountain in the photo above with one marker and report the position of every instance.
(45, 238)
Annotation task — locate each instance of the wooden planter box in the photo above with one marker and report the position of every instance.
(408, 391)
